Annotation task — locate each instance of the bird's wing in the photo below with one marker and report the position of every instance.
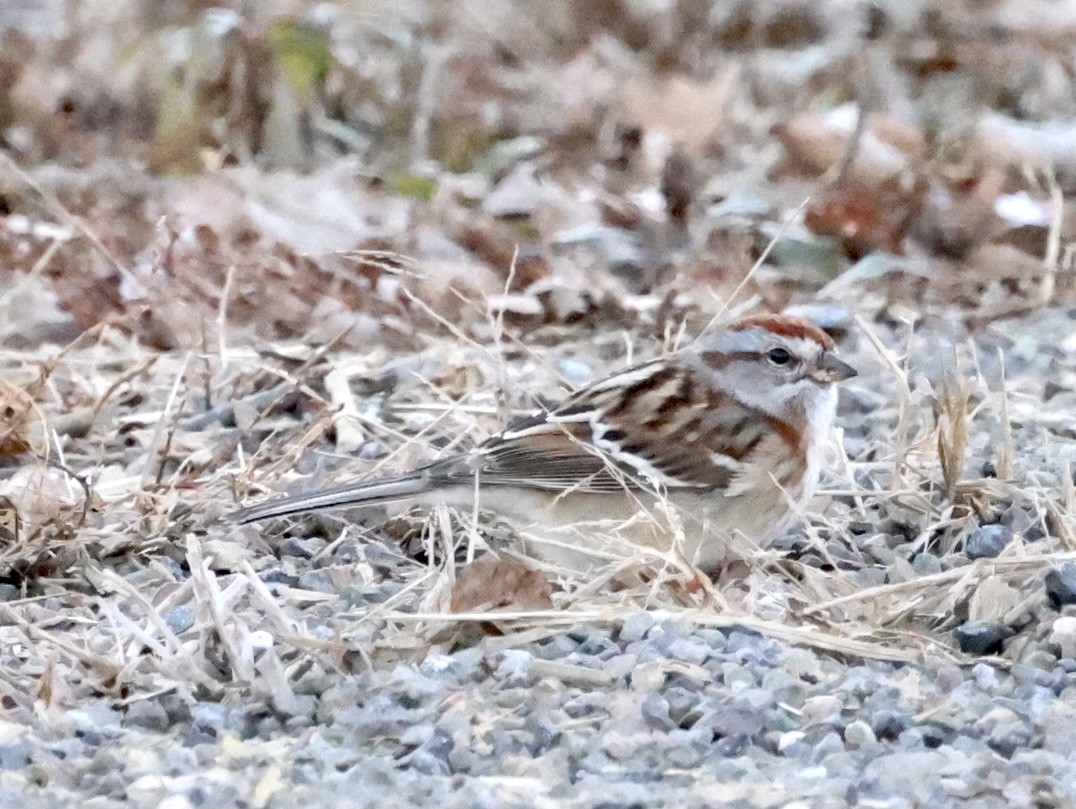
(644, 427)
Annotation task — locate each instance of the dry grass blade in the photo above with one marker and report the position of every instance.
(893, 600)
(218, 605)
(1007, 460)
(951, 413)
(810, 635)
(904, 398)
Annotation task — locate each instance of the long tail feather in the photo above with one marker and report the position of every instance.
(354, 494)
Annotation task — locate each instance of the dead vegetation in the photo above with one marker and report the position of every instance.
(361, 242)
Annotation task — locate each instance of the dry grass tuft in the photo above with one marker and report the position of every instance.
(951, 413)
(151, 592)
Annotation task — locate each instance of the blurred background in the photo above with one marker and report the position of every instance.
(582, 162)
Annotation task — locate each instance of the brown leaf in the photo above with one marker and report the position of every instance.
(816, 143)
(863, 218)
(16, 415)
(489, 583)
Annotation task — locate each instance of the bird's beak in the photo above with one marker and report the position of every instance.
(831, 369)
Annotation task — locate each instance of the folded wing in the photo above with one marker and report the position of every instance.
(644, 428)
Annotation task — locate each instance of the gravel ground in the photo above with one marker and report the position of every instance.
(263, 667)
(653, 712)
(257, 247)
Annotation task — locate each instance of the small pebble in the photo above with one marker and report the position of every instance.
(655, 710)
(912, 776)
(635, 627)
(575, 371)
(301, 547)
(926, 564)
(738, 678)
(822, 708)
(588, 704)
(986, 677)
(661, 635)
(888, 725)
(1059, 729)
(829, 745)
(317, 581)
(557, 647)
(14, 755)
(988, 541)
(207, 715)
(934, 736)
(789, 739)
(175, 802)
(981, 637)
(682, 703)
(729, 720)
(1061, 584)
(597, 645)
(372, 451)
(1063, 633)
(620, 665)
(179, 619)
(689, 651)
(858, 735)
(277, 575)
(148, 714)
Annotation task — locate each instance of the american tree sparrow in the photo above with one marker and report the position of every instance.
(730, 430)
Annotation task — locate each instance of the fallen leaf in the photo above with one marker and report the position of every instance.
(816, 143)
(489, 583)
(17, 414)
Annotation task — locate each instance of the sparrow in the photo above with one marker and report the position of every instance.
(730, 431)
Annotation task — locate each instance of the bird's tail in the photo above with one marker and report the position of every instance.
(350, 495)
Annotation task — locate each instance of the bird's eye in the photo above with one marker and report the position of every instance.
(779, 356)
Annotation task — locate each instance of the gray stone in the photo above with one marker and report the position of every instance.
(621, 665)
(557, 647)
(514, 666)
(859, 735)
(912, 776)
(302, 547)
(926, 564)
(986, 677)
(663, 634)
(981, 637)
(729, 720)
(316, 580)
(888, 724)
(688, 650)
(14, 755)
(1061, 584)
(655, 710)
(988, 541)
(682, 703)
(588, 704)
(737, 677)
(148, 714)
(635, 627)
(208, 715)
(179, 619)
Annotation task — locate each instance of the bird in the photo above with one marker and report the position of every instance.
(730, 430)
